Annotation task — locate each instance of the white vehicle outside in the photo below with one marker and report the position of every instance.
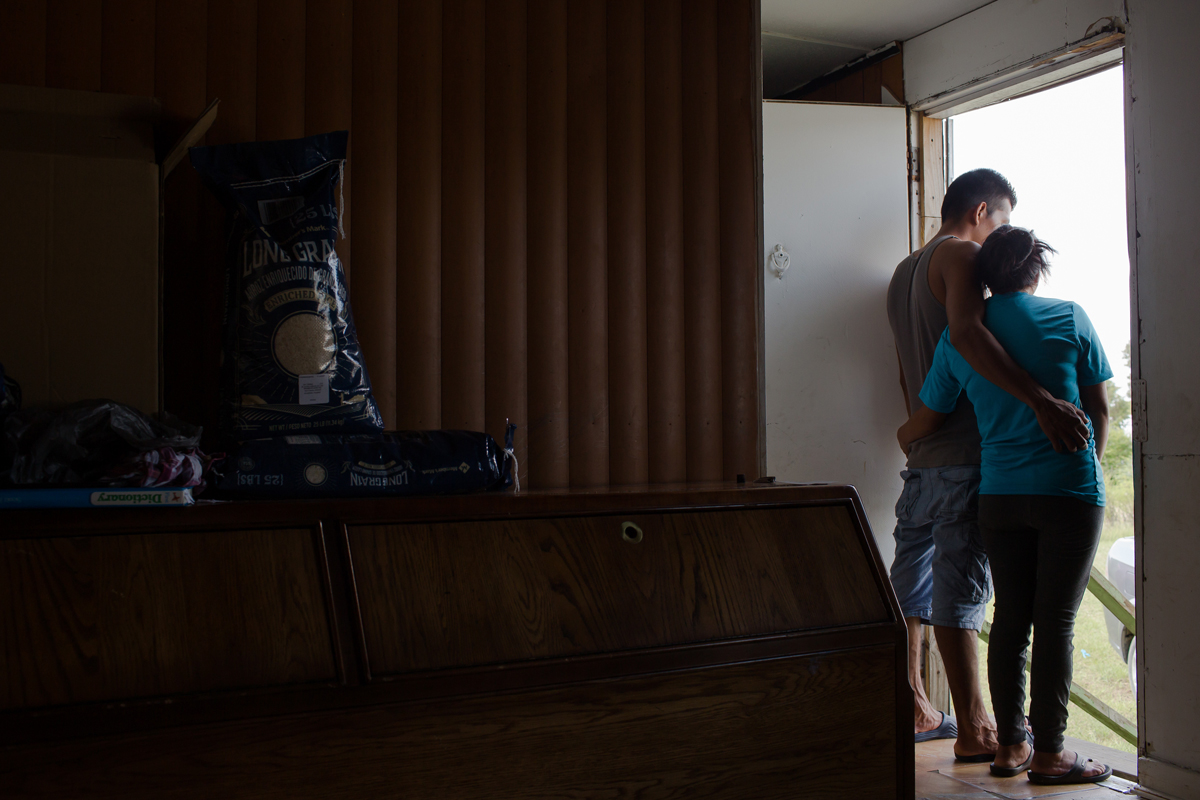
(1121, 572)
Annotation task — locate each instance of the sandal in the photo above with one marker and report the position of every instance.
(1012, 772)
(1073, 775)
(946, 729)
(983, 758)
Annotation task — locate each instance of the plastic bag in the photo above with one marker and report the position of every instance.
(396, 463)
(99, 443)
(10, 394)
(290, 359)
(10, 402)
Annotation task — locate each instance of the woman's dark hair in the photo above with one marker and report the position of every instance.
(972, 188)
(1012, 259)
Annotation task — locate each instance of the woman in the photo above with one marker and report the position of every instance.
(1040, 512)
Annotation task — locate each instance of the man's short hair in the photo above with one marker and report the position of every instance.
(972, 188)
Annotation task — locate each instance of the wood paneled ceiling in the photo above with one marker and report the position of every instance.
(804, 39)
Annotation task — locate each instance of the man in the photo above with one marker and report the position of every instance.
(940, 571)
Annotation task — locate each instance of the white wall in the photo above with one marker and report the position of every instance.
(1161, 64)
(995, 39)
(835, 195)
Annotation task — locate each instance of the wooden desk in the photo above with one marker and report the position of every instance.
(691, 641)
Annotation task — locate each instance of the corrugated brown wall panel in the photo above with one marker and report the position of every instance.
(628, 457)
(667, 423)
(702, 242)
(739, 106)
(825, 94)
(181, 48)
(463, 215)
(73, 44)
(872, 79)
(328, 87)
(23, 43)
(587, 261)
(849, 89)
(373, 287)
(864, 84)
(232, 69)
(127, 47)
(281, 62)
(419, 219)
(548, 462)
(504, 211)
(892, 76)
(638, 326)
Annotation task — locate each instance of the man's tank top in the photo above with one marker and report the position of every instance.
(917, 320)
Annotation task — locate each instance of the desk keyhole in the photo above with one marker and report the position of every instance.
(631, 533)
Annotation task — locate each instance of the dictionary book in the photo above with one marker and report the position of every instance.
(84, 497)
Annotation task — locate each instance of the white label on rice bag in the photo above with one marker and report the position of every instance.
(271, 211)
(314, 389)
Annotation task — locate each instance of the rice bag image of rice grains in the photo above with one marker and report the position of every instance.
(290, 360)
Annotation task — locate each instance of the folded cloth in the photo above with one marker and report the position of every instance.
(162, 466)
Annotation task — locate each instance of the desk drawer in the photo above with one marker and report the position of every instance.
(433, 596)
(97, 618)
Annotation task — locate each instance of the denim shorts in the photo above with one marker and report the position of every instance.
(940, 572)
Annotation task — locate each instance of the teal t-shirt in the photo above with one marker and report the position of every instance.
(1054, 341)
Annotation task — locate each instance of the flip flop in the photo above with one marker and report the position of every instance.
(983, 758)
(946, 729)
(979, 758)
(1073, 775)
(1012, 772)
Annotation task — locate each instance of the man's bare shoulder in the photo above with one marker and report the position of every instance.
(954, 253)
(953, 263)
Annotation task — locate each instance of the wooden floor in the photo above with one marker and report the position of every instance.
(940, 777)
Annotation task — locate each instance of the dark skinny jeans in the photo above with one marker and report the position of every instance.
(1041, 550)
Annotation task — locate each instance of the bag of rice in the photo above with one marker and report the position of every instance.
(399, 463)
(290, 363)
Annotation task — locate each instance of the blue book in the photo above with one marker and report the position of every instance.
(82, 497)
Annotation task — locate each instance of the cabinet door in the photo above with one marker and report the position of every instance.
(98, 618)
(459, 594)
(821, 726)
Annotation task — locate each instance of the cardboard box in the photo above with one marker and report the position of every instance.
(80, 227)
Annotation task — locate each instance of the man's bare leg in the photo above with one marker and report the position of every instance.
(925, 716)
(960, 652)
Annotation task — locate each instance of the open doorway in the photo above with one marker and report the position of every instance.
(1063, 149)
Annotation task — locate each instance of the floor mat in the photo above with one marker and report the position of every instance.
(940, 777)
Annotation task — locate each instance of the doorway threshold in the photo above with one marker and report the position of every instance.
(940, 777)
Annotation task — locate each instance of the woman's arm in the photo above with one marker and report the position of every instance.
(922, 423)
(1094, 400)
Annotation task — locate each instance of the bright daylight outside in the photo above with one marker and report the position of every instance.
(1064, 152)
